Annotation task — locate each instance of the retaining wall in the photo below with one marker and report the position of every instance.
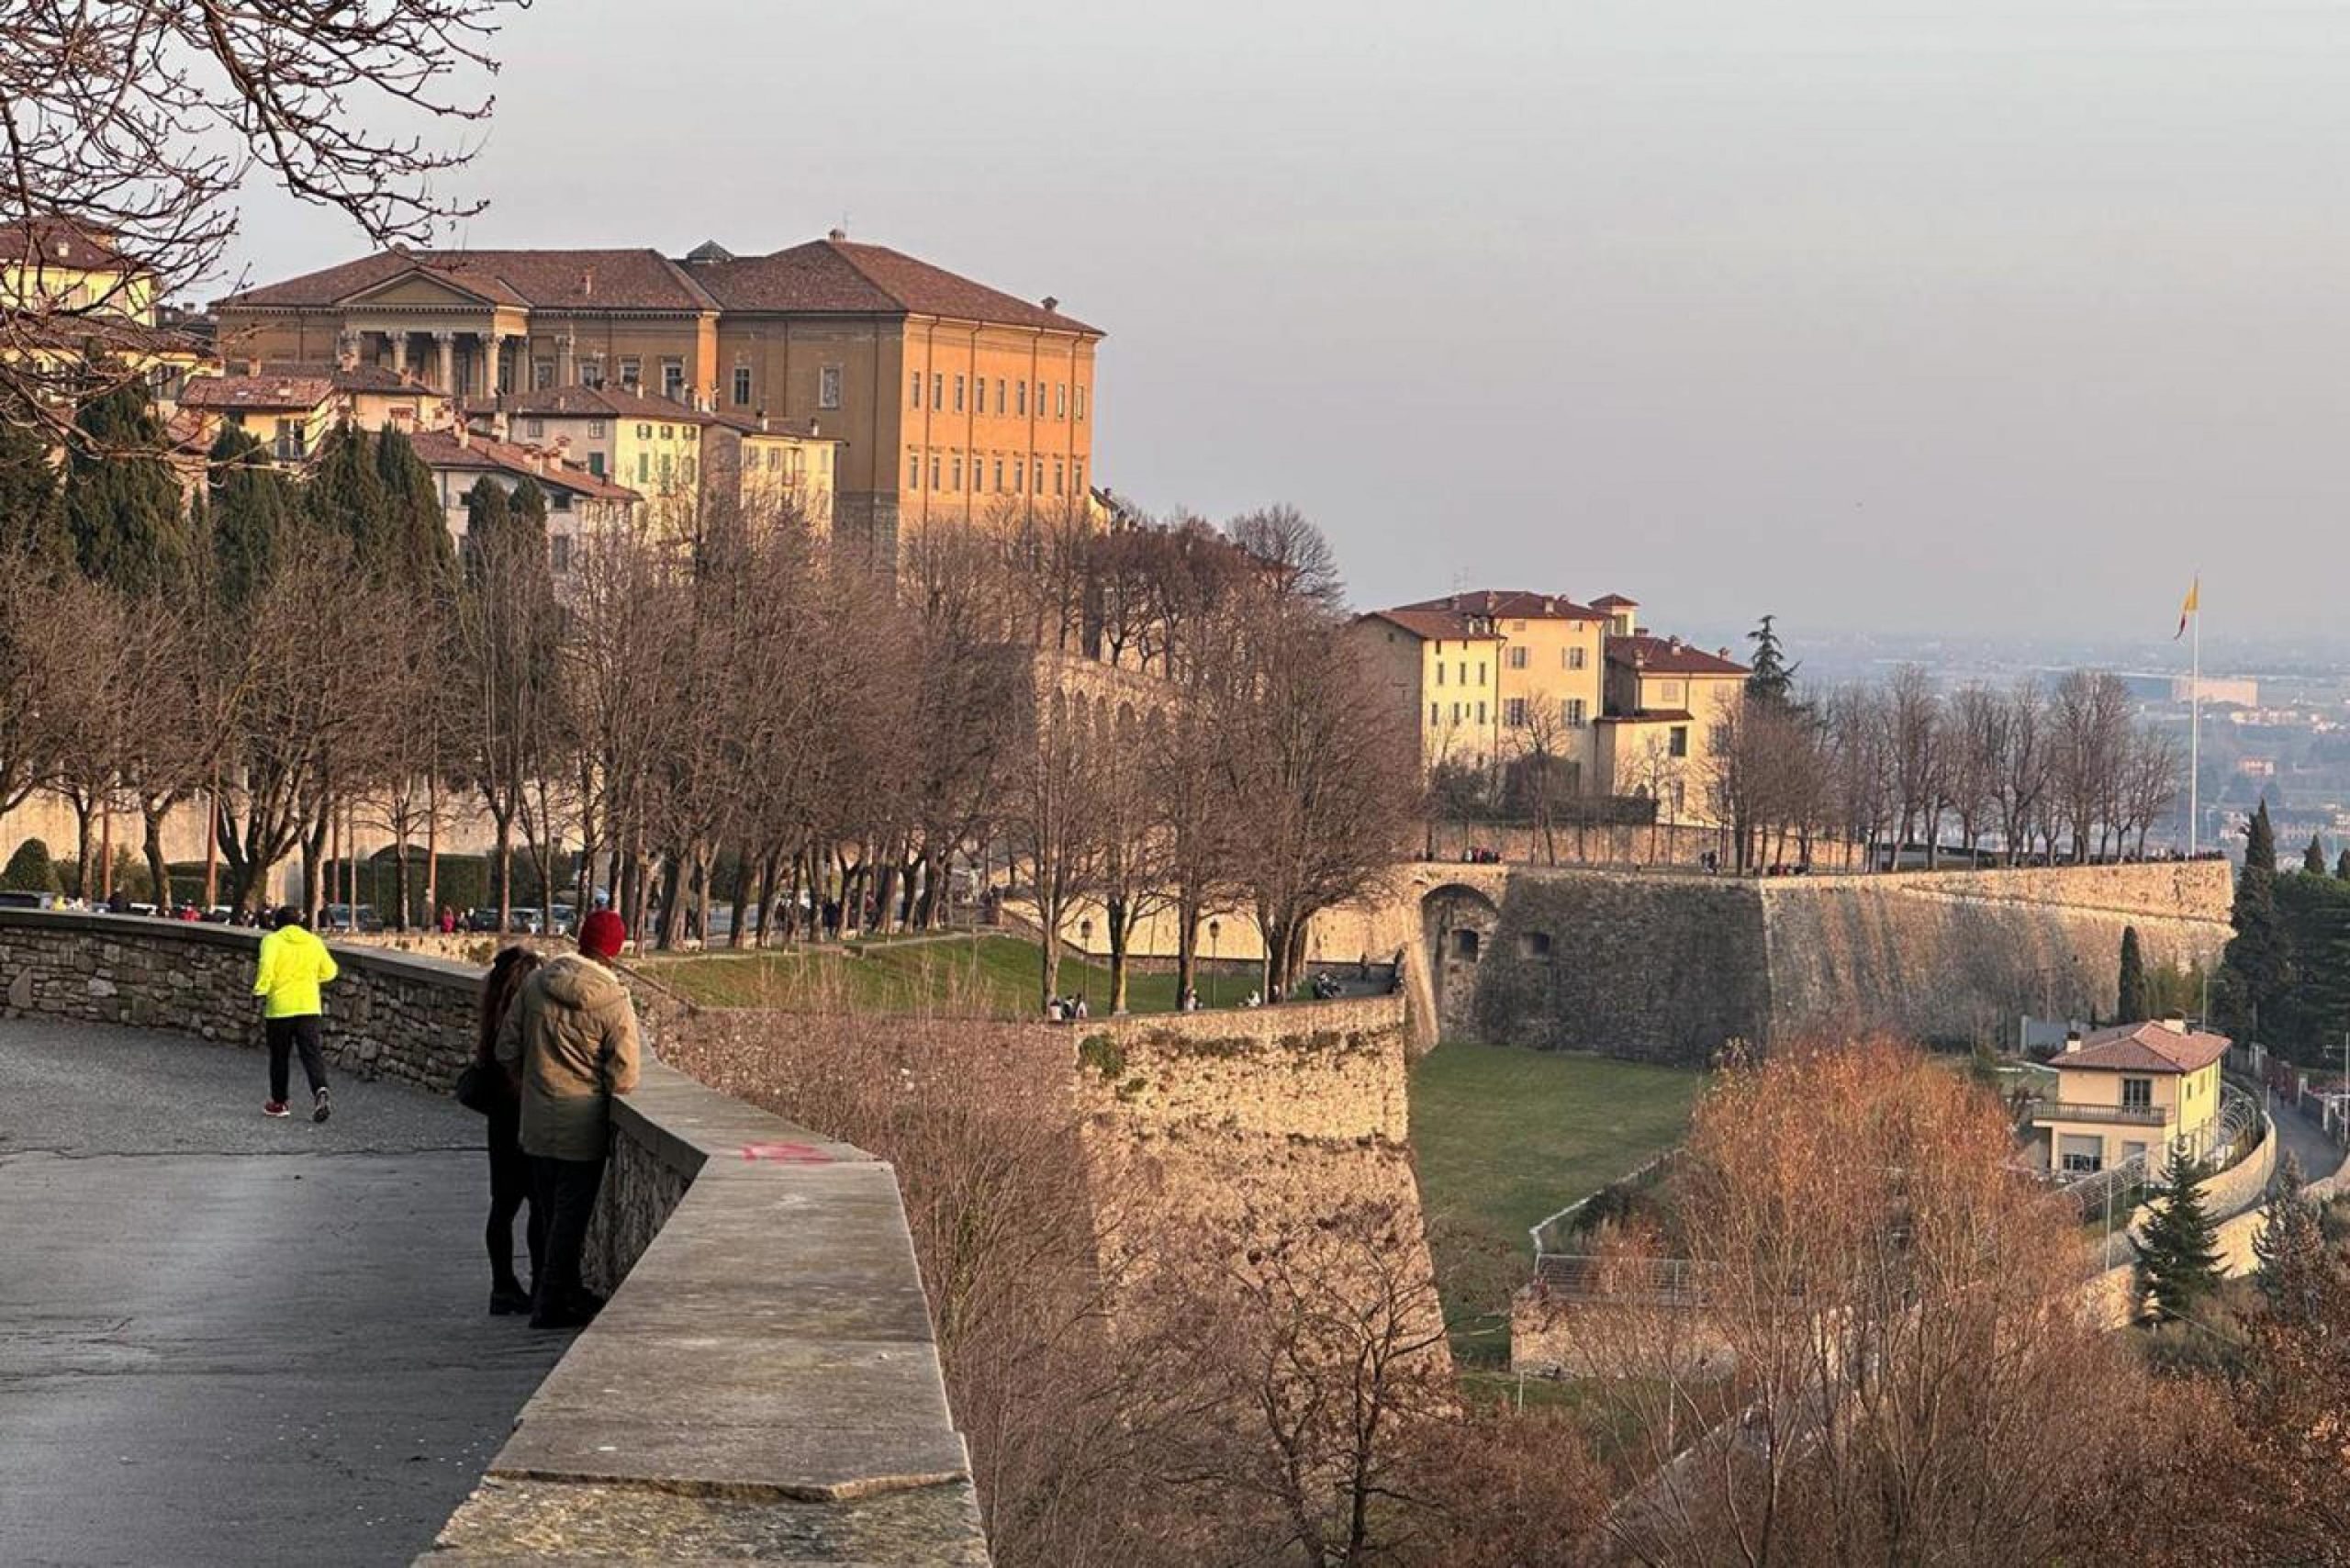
(763, 1383)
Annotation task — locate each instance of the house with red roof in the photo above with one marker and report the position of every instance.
(2135, 1089)
(953, 401)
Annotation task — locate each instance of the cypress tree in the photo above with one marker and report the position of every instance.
(2131, 998)
(416, 532)
(345, 497)
(2313, 857)
(2291, 1245)
(122, 504)
(2257, 969)
(487, 517)
(2178, 1261)
(2341, 866)
(32, 512)
(250, 505)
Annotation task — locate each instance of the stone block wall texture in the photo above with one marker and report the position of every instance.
(387, 1015)
(1671, 968)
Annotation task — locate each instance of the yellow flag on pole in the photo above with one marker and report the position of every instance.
(2194, 593)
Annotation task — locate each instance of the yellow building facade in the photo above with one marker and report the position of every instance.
(67, 291)
(948, 400)
(1447, 667)
(2132, 1090)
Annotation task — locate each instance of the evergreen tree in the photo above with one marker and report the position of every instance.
(249, 506)
(2313, 857)
(30, 869)
(415, 532)
(2257, 971)
(529, 506)
(2291, 1245)
(2179, 1260)
(2341, 866)
(122, 504)
(1771, 679)
(487, 519)
(32, 512)
(2132, 1004)
(345, 497)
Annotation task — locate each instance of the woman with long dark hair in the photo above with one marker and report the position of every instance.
(509, 1167)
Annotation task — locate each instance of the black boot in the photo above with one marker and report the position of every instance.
(507, 1297)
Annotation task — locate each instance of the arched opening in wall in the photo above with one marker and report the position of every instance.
(1464, 945)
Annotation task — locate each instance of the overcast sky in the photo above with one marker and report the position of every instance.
(1871, 313)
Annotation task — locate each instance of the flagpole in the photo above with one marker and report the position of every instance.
(2194, 721)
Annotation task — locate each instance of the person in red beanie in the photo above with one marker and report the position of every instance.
(570, 1043)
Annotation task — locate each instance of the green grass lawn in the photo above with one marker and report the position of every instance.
(988, 977)
(1504, 1136)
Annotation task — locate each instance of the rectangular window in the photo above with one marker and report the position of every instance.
(1080, 401)
(828, 386)
(534, 427)
(1435, 717)
(1056, 476)
(914, 394)
(643, 467)
(1440, 672)
(631, 372)
(957, 472)
(596, 464)
(958, 394)
(1573, 714)
(743, 385)
(1574, 658)
(595, 430)
(1022, 401)
(668, 432)
(2138, 1093)
(1514, 713)
(998, 475)
(1480, 672)
(1669, 693)
(2080, 1155)
(1060, 400)
(1678, 743)
(1481, 712)
(673, 380)
(644, 433)
(541, 374)
(1040, 399)
(933, 470)
(914, 470)
(1464, 672)
(938, 390)
(1456, 712)
(668, 469)
(1019, 474)
(1518, 658)
(979, 394)
(999, 394)
(559, 548)
(592, 373)
(1077, 476)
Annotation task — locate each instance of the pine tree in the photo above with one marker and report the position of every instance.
(2257, 969)
(2178, 1259)
(2291, 1245)
(122, 505)
(2341, 866)
(30, 869)
(2313, 857)
(1771, 679)
(2131, 999)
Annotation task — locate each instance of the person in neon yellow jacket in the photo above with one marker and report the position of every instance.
(294, 964)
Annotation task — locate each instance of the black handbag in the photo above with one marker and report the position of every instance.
(476, 1088)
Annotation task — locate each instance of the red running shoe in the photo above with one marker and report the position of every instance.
(275, 1108)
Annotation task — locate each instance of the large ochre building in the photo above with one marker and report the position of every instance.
(949, 400)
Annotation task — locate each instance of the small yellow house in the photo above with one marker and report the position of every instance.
(1546, 674)
(1446, 667)
(2134, 1089)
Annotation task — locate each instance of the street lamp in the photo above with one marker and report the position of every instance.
(1216, 929)
(1085, 962)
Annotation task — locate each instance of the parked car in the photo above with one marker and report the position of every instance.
(12, 898)
(481, 919)
(342, 917)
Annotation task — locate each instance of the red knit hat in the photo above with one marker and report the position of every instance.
(601, 935)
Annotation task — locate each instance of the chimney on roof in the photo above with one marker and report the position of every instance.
(1721, 653)
(836, 235)
(1051, 304)
(1550, 605)
(587, 282)
(465, 436)
(815, 426)
(2174, 1022)
(2072, 1041)
(252, 365)
(1674, 643)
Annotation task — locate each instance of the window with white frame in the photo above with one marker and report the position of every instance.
(1514, 713)
(1575, 658)
(1573, 714)
(1517, 658)
(828, 386)
(742, 385)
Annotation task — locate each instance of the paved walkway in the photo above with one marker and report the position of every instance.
(226, 1339)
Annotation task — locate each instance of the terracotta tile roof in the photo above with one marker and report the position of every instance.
(305, 391)
(1432, 625)
(1615, 601)
(352, 378)
(478, 453)
(1668, 656)
(589, 402)
(588, 280)
(840, 277)
(1511, 604)
(2145, 1047)
(58, 242)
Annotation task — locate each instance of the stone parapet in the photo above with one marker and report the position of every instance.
(763, 1386)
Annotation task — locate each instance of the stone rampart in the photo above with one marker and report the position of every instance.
(1671, 967)
(763, 1383)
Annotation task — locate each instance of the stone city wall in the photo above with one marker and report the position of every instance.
(1671, 967)
(763, 1384)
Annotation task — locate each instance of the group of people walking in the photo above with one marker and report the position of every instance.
(557, 1040)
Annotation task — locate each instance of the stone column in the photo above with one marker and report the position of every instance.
(445, 363)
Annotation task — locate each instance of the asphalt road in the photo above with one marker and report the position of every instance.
(227, 1340)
